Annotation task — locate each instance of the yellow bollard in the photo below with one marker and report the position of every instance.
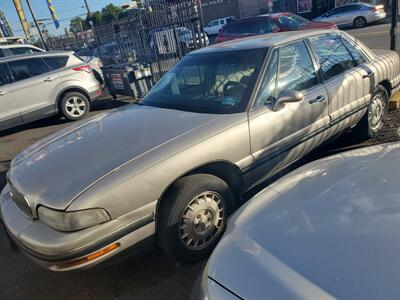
(394, 101)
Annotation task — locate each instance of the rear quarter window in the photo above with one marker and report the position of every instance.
(56, 62)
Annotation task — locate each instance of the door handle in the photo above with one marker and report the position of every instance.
(369, 74)
(2, 93)
(318, 99)
(49, 79)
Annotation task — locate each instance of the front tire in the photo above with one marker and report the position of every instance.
(193, 216)
(374, 119)
(74, 106)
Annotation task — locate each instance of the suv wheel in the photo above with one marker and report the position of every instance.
(74, 106)
(193, 216)
(374, 119)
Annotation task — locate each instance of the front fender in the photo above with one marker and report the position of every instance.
(145, 179)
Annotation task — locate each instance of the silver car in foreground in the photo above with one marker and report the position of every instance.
(328, 230)
(35, 86)
(224, 119)
(355, 14)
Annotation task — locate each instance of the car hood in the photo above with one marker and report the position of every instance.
(56, 170)
(329, 229)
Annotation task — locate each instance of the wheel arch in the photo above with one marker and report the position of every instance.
(225, 170)
(69, 90)
(388, 87)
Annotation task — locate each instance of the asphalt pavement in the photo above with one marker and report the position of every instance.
(376, 36)
(151, 275)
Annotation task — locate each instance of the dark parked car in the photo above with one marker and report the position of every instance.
(269, 23)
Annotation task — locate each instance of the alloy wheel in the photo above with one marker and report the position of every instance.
(202, 221)
(359, 23)
(75, 106)
(376, 112)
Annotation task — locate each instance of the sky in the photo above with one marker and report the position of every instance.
(66, 9)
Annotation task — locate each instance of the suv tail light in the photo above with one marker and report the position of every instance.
(377, 7)
(86, 68)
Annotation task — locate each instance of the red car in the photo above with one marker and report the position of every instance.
(269, 23)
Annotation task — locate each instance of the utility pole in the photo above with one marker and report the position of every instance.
(87, 7)
(37, 25)
(393, 29)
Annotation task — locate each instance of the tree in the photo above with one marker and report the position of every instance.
(78, 24)
(97, 18)
(110, 13)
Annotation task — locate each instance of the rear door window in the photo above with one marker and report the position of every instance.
(5, 76)
(56, 62)
(28, 68)
(333, 56)
(336, 11)
(349, 8)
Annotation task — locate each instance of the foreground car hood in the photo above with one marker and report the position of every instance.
(57, 169)
(330, 228)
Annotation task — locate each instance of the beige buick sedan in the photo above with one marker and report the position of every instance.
(174, 167)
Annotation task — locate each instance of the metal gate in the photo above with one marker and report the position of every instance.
(159, 33)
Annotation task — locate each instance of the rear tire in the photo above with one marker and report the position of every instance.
(74, 106)
(374, 119)
(359, 22)
(193, 216)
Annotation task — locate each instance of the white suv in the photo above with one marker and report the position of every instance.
(34, 86)
(214, 26)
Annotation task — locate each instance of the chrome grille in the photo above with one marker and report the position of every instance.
(20, 200)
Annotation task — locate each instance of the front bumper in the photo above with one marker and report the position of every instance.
(63, 251)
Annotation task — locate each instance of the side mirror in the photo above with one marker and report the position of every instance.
(287, 97)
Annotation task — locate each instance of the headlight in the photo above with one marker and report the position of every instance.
(72, 220)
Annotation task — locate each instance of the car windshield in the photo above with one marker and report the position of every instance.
(218, 83)
(292, 21)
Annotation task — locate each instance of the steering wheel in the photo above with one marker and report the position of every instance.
(233, 83)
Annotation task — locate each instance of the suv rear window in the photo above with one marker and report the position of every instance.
(56, 62)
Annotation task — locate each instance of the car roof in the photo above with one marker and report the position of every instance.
(33, 55)
(263, 41)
